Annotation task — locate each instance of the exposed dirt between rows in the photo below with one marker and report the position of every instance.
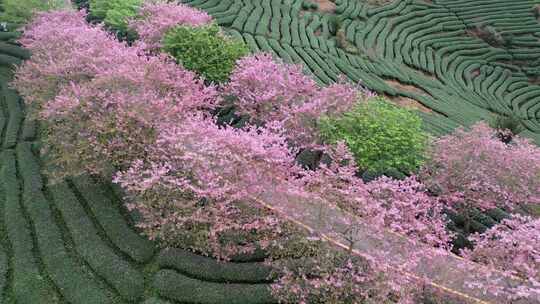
(534, 80)
(495, 41)
(475, 73)
(514, 62)
(472, 32)
(406, 101)
(405, 87)
(325, 6)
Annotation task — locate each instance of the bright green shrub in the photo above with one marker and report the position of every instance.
(380, 135)
(204, 50)
(21, 11)
(119, 14)
(115, 13)
(99, 8)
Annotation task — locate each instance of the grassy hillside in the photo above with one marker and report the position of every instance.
(457, 61)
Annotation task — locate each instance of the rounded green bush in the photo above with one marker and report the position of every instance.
(380, 134)
(21, 11)
(115, 13)
(204, 50)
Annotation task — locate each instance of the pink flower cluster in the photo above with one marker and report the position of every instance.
(104, 100)
(197, 160)
(119, 111)
(513, 246)
(269, 90)
(65, 49)
(157, 17)
(474, 169)
(335, 180)
(406, 208)
(401, 206)
(204, 176)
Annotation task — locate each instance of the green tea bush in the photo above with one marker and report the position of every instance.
(204, 50)
(21, 11)
(308, 5)
(380, 135)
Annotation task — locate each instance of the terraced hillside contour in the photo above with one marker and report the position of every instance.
(72, 243)
(429, 53)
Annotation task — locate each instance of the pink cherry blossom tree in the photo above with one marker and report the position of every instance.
(474, 169)
(197, 181)
(267, 90)
(513, 247)
(65, 49)
(112, 119)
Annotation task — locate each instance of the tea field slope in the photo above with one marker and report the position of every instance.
(431, 54)
(72, 242)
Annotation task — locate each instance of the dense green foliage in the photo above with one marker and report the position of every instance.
(380, 135)
(115, 13)
(99, 8)
(176, 286)
(206, 268)
(121, 10)
(82, 4)
(20, 11)
(204, 50)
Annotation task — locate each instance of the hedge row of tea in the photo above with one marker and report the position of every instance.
(72, 243)
(461, 59)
